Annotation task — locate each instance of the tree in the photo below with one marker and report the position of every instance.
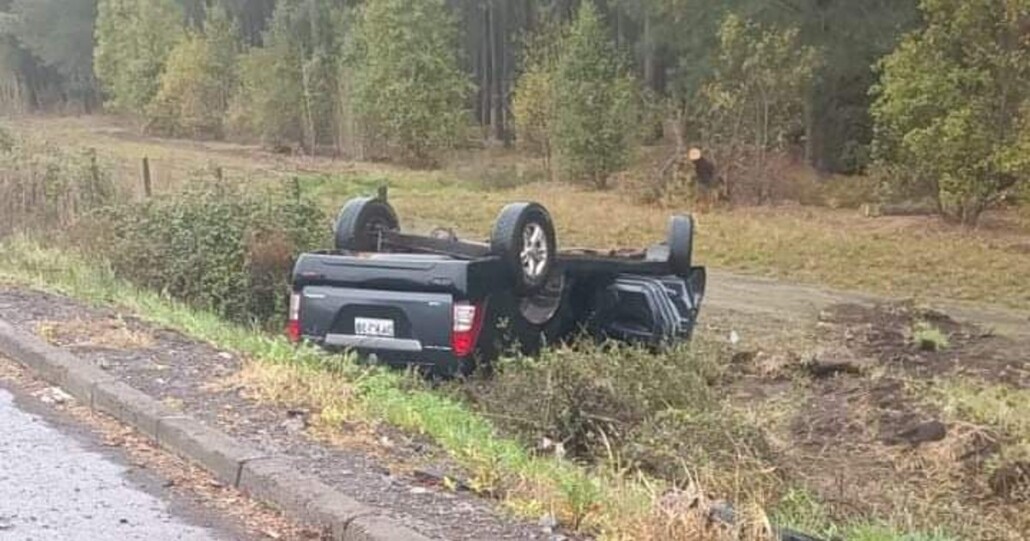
(133, 41)
(407, 89)
(288, 92)
(756, 98)
(198, 81)
(60, 34)
(953, 103)
(595, 102)
(269, 101)
(534, 101)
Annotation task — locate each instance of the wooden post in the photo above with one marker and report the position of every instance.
(146, 177)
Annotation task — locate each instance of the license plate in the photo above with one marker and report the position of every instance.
(365, 326)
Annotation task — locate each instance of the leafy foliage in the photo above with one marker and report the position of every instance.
(408, 90)
(628, 407)
(535, 94)
(958, 115)
(198, 82)
(756, 101)
(133, 41)
(45, 188)
(596, 102)
(288, 93)
(216, 246)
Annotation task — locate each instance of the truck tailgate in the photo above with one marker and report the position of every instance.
(394, 325)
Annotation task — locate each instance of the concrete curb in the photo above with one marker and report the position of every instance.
(268, 478)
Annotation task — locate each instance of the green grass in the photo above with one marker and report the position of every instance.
(1001, 407)
(929, 338)
(802, 510)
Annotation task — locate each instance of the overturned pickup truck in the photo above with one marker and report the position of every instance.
(447, 304)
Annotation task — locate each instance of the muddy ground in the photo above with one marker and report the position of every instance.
(851, 399)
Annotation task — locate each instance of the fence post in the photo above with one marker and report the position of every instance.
(146, 177)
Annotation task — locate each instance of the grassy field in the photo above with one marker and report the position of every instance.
(917, 257)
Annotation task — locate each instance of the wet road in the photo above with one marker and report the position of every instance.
(58, 483)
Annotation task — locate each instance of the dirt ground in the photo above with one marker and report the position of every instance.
(848, 395)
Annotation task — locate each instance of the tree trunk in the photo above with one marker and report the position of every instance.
(485, 66)
(497, 124)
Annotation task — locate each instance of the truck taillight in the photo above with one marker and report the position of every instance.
(293, 324)
(468, 321)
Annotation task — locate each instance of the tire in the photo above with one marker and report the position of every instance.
(681, 244)
(360, 221)
(523, 236)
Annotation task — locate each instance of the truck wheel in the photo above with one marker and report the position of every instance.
(360, 221)
(523, 236)
(681, 244)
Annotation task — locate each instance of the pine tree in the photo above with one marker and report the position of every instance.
(596, 102)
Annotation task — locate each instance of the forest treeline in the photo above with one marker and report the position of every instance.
(933, 90)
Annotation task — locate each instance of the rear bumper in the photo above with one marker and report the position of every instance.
(394, 352)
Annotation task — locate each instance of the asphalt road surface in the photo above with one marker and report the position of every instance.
(58, 483)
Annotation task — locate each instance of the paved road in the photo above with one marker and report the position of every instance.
(57, 483)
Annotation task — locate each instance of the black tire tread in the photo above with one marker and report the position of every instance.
(505, 241)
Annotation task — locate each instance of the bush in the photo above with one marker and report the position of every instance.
(954, 115)
(656, 412)
(43, 187)
(217, 247)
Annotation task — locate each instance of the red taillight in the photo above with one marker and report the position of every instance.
(467, 322)
(293, 325)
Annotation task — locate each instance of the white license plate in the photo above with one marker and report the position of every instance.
(366, 326)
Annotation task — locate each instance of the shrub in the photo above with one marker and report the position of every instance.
(216, 246)
(7, 140)
(928, 337)
(43, 187)
(956, 116)
(634, 408)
